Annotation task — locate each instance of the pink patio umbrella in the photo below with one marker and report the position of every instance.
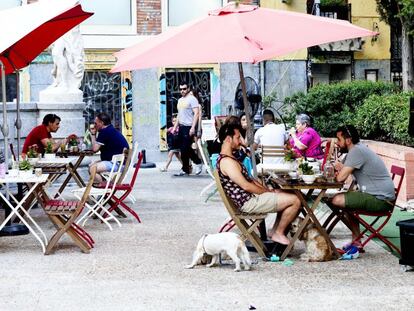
(236, 33)
(25, 32)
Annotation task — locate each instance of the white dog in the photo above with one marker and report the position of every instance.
(317, 248)
(215, 244)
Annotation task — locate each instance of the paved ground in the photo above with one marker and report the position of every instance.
(140, 266)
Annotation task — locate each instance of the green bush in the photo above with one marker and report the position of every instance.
(331, 105)
(385, 118)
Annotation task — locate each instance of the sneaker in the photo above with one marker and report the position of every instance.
(198, 170)
(181, 173)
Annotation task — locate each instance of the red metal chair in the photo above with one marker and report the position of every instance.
(126, 188)
(336, 216)
(386, 215)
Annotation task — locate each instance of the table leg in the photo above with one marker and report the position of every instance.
(72, 174)
(15, 210)
(310, 213)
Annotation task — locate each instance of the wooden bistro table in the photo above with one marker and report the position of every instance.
(70, 161)
(34, 183)
(297, 186)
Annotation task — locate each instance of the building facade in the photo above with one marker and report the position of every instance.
(141, 102)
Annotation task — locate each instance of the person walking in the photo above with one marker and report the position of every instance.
(173, 147)
(188, 113)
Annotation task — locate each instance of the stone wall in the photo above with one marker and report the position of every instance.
(401, 156)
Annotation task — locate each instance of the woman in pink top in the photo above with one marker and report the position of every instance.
(305, 140)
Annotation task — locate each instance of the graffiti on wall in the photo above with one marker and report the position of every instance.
(102, 93)
(126, 98)
(169, 95)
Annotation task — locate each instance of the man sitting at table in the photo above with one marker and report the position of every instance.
(109, 141)
(41, 135)
(248, 195)
(376, 188)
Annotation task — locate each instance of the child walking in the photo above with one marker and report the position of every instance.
(173, 144)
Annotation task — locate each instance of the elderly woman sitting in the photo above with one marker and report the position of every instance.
(305, 140)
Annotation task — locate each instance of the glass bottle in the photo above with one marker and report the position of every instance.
(329, 171)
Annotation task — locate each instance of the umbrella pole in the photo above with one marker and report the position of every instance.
(5, 126)
(249, 132)
(18, 123)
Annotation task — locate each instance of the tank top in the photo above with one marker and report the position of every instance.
(237, 194)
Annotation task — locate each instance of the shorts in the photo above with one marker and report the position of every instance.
(108, 165)
(261, 204)
(355, 200)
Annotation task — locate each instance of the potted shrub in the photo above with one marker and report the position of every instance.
(32, 155)
(49, 155)
(308, 175)
(73, 142)
(25, 168)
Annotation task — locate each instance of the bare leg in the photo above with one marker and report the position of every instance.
(170, 156)
(289, 206)
(100, 168)
(178, 156)
(338, 201)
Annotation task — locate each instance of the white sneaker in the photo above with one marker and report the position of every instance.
(181, 173)
(198, 170)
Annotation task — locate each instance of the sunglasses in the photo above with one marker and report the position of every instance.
(348, 132)
(183, 88)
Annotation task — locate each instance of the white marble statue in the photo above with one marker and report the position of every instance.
(68, 60)
(68, 68)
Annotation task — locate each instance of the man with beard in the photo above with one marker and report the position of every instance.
(375, 186)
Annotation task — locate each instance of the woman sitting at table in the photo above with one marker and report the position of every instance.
(305, 140)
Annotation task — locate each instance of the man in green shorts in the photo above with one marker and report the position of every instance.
(375, 186)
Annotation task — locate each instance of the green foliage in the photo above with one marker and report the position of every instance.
(49, 147)
(31, 152)
(269, 99)
(25, 165)
(385, 118)
(306, 168)
(332, 105)
(333, 2)
(397, 12)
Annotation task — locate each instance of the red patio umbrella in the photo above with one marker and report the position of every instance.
(236, 33)
(25, 32)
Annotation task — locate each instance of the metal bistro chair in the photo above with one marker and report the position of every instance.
(125, 188)
(397, 175)
(101, 196)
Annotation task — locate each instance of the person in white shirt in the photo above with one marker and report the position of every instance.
(270, 134)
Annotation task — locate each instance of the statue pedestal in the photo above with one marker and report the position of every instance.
(71, 114)
(60, 95)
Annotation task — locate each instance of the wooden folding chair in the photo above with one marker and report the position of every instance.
(63, 214)
(202, 148)
(331, 222)
(246, 223)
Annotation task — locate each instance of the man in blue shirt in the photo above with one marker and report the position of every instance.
(109, 141)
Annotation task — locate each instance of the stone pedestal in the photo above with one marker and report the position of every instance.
(60, 95)
(71, 114)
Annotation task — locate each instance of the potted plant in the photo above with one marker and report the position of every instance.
(32, 155)
(25, 168)
(49, 155)
(308, 175)
(73, 142)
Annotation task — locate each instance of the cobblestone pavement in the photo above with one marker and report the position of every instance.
(141, 266)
